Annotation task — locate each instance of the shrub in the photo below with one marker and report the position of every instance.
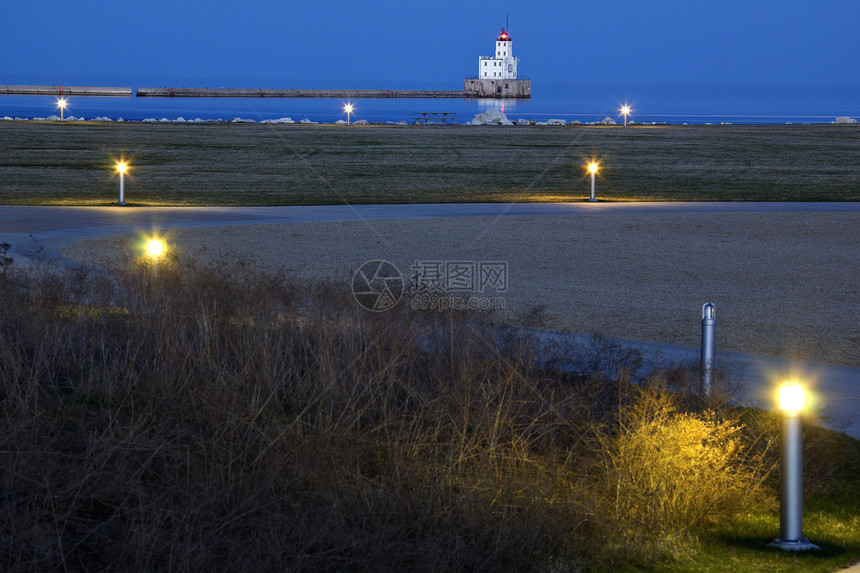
(665, 471)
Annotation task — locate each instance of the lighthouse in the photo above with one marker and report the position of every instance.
(502, 64)
(497, 74)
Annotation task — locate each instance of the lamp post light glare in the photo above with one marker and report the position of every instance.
(592, 168)
(61, 103)
(791, 397)
(122, 167)
(625, 111)
(791, 538)
(155, 248)
(348, 109)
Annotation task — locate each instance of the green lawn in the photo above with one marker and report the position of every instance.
(72, 164)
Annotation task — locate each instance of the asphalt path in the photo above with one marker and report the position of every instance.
(42, 231)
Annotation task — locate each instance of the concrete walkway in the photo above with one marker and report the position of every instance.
(53, 227)
(45, 230)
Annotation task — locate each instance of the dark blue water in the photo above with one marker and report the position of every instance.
(682, 104)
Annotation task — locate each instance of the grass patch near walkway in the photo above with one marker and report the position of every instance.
(73, 164)
(196, 418)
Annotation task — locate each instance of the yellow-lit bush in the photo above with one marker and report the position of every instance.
(665, 471)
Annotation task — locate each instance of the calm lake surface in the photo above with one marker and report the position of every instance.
(568, 101)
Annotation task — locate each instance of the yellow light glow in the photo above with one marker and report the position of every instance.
(592, 167)
(625, 110)
(61, 103)
(791, 397)
(121, 166)
(348, 108)
(155, 248)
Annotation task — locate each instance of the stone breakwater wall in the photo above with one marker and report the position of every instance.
(299, 93)
(65, 91)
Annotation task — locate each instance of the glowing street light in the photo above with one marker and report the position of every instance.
(121, 167)
(791, 471)
(155, 248)
(592, 168)
(625, 111)
(348, 109)
(61, 103)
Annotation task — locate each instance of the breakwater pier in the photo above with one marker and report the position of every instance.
(304, 93)
(65, 91)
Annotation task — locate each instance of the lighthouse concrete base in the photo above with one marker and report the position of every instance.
(499, 87)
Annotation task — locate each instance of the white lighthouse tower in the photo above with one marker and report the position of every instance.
(497, 74)
(502, 64)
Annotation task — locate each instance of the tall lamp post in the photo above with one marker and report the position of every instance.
(121, 167)
(625, 111)
(348, 109)
(791, 471)
(592, 168)
(61, 103)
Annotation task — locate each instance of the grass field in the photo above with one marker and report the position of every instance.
(73, 164)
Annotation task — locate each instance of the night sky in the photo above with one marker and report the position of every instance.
(403, 44)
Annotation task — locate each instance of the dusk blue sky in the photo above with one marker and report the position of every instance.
(389, 44)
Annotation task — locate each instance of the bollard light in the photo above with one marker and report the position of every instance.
(348, 109)
(791, 538)
(122, 167)
(592, 168)
(791, 397)
(61, 103)
(709, 323)
(625, 111)
(155, 248)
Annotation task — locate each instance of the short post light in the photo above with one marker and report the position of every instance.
(791, 471)
(348, 109)
(155, 248)
(592, 168)
(625, 111)
(61, 103)
(709, 324)
(122, 167)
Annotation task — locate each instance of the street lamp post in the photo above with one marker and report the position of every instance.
(121, 167)
(61, 103)
(592, 168)
(791, 471)
(625, 111)
(348, 109)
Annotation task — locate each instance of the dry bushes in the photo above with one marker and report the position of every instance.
(666, 471)
(198, 418)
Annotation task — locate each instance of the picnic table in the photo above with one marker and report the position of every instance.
(441, 117)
